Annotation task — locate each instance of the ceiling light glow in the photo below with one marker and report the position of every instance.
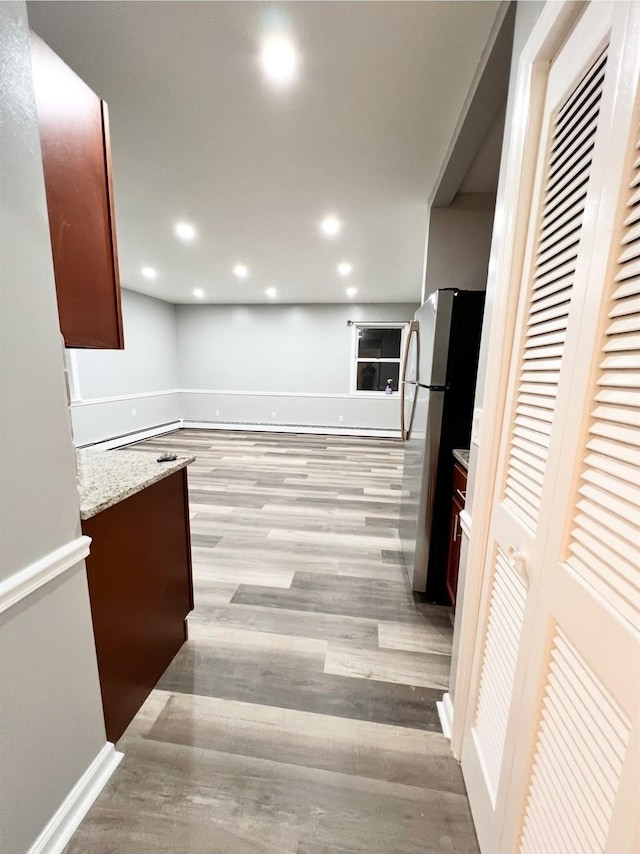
(344, 268)
(241, 271)
(351, 292)
(149, 273)
(330, 226)
(185, 231)
(271, 292)
(279, 59)
(198, 292)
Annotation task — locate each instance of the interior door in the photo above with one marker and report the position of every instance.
(576, 785)
(515, 659)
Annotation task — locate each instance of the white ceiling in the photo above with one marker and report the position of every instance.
(197, 135)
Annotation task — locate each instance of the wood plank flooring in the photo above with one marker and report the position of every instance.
(300, 716)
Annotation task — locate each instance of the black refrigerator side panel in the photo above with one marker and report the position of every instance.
(464, 350)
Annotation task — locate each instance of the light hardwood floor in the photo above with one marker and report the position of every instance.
(300, 716)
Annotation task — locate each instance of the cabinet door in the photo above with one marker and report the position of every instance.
(140, 588)
(77, 172)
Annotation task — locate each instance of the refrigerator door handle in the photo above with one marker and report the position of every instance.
(405, 428)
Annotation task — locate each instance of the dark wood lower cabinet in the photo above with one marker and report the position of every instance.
(455, 533)
(141, 590)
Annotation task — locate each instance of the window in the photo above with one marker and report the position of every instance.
(377, 356)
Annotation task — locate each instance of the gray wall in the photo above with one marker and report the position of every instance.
(459, 242)
(51, 713)
(281, 364)
(526, 16)
(265, 364)
(149, 361)
(148, 364)
(279, 348)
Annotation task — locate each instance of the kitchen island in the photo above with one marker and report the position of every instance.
(136, 511)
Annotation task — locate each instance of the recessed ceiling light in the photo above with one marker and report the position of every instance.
(198, 292)
(149, 273)
(279, 59)
(344, 268)
(241, 271)
(331, 226)
(185, 231)
(271, 292)
(351, 292)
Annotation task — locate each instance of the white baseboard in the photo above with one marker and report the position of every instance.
(291, 428)
(137, 436)
(64, 822)
(25, 581)
(445, 713)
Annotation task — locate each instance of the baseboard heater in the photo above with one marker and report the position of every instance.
(269, 426)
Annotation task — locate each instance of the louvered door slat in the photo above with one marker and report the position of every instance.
(558, 253)
(595, 536)
(608, 501)
(555, 313)
(570, 211)
(529, 460)
(553, 233)
(581, 133)
(540, 403)
(545, 340)
(622, 471)
(539, 414)
(634, 214)
(624, 490)
(499, 660)
(530, 472)
(552, 279)
(606, 527)
(571, 106)
(580, 748)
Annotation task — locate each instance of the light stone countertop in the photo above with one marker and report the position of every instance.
(107, 477)
(462, 456)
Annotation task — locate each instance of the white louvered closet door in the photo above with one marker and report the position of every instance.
(572, 167)
(576, 780)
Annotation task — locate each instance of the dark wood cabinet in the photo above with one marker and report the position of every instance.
(141, 590)
(455, 533)
(74, 137)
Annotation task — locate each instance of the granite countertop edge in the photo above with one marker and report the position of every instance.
(462, 456)
(106, 478)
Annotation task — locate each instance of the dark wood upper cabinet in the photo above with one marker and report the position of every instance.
(74, 135)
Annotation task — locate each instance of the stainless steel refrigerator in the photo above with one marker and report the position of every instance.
(437, 389)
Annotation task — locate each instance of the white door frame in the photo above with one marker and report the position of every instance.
(511, 223)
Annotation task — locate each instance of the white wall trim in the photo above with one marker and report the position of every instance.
(317, 394)
(136, 436)
(64, 822)
(291, 428)
(445, 713)
(26, 581)
(465, 523)
(92, 401)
